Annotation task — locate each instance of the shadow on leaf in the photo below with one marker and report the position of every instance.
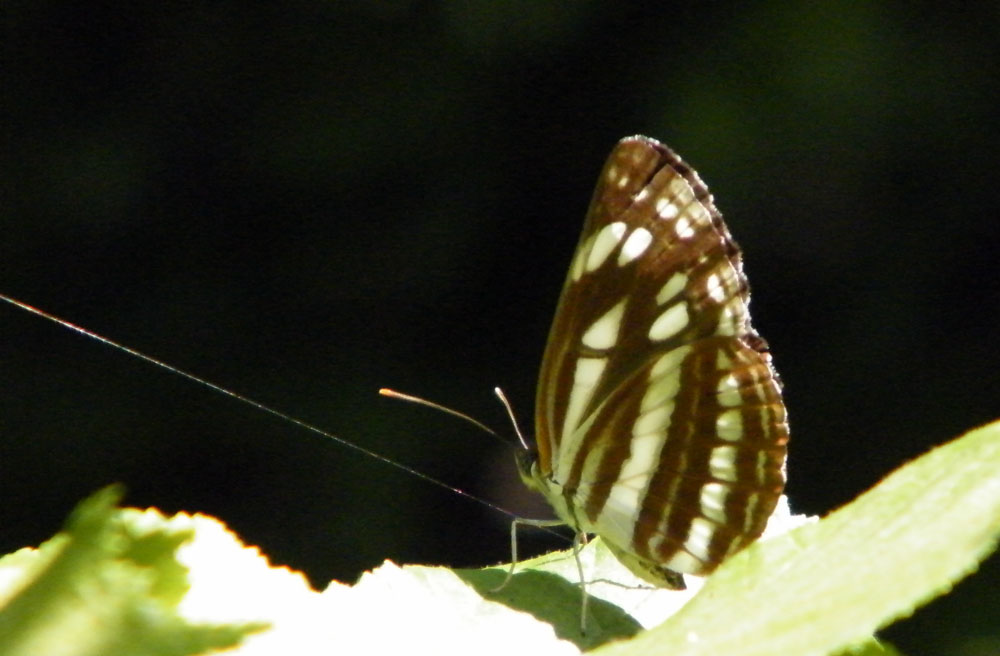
(554, 600)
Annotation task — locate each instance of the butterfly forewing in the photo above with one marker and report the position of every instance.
(659, 423)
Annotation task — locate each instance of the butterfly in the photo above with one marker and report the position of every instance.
(659, 419)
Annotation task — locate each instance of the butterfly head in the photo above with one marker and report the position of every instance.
(527, 467)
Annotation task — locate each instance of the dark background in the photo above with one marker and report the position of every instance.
(306, 201)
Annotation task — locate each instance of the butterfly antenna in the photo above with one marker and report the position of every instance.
(513, 418)
(393, 394)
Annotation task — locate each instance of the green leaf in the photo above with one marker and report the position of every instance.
(429, 610)
(135, 582)
(827, 586)
(108, 584)
(554, 597)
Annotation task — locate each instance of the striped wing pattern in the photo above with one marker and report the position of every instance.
(660, 424)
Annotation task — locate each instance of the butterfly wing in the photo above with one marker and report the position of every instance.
(659, 423)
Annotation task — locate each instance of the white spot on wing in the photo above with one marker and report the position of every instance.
(727, 392)
(680, 192)
(661, 391)
(682, 561)
(588, 371)
(623, 495)
(627, 494)
(665, 208)
(732, 317)
(683, 228)
(722, 463)
(634, 476)
(654, 422)
(635, 245)
(605, 241)
(713, 501)
(670, 322)
(714, 288)
(761, 469)
(669, 361)
(698, 213)
(729, 426)
(699, 538)
(580, 258)
(603, 333)
(674, 286)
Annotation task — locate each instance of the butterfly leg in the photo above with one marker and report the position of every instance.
(543, 523)
(580, 541)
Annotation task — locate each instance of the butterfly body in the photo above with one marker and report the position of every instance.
(659, 422)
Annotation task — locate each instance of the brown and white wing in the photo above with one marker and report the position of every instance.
(658, 413)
